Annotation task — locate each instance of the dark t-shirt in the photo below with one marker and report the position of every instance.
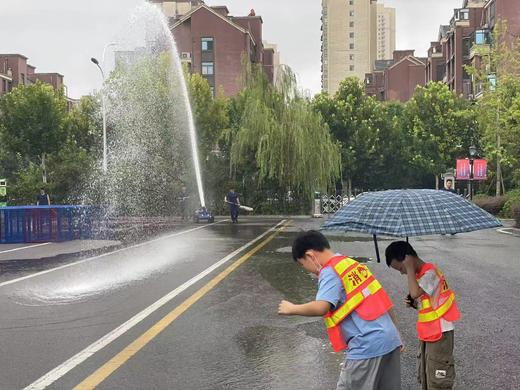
(450, 190)
(42, 200)
(232, 197)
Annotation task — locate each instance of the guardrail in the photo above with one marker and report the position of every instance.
(20, 224)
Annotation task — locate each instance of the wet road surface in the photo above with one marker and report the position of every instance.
(232, 338)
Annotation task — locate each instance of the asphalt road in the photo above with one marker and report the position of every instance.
(227, 335)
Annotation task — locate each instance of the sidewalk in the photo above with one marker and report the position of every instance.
(35, 251)
(509, 228)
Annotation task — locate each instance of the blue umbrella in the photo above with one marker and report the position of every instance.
(407, 213)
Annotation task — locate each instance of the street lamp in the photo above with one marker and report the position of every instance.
(472, 154)
(103, 107)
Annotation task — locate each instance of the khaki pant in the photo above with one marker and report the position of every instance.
(436, 366)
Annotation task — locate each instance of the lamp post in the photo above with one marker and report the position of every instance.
(472, 155)
(103, 107)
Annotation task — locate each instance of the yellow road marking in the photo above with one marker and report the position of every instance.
(122, 357)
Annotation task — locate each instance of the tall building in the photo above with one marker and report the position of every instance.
(350, 39)
(271, 60)
(213, 43)
(385, 32)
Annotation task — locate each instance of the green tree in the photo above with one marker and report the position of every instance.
(498, 74)
(369, 134)
(32, 120)
(443, 126)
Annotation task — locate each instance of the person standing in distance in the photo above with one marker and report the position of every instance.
(233, 200)
(43, 198)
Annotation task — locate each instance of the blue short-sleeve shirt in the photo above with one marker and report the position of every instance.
(365, 339)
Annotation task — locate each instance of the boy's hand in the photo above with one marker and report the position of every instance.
(286, 308)
(409, 265)
(410, 302)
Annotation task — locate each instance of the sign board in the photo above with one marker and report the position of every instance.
(464, 169)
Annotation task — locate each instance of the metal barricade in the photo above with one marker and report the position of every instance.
(330, 204)
(20, 224)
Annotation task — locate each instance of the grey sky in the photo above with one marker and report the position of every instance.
(62, 35)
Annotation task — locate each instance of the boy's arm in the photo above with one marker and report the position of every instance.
(415, 290)
(310, 309)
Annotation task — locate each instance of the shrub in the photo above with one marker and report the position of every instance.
(491, 204)
(516, 214)
(512, 198)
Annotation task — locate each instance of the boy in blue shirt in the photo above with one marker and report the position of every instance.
(360, 321)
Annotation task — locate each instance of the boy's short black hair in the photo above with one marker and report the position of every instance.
(449, 180)
(398, 250)
(305, 241)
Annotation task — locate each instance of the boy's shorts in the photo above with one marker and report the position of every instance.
(379, 373)
(436, 366)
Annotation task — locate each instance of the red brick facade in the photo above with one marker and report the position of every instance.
(15, 71)
(214, 43)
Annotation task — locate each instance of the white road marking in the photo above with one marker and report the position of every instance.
(80, 357)
(7, 283)
(24, 247)
(504, 231)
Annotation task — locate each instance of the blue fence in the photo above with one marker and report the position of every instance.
(45, 223)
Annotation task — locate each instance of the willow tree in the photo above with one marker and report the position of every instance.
(277, 131)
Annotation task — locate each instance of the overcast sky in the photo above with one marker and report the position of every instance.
(62, 35)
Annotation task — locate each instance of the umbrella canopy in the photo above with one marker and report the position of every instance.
(406, 213)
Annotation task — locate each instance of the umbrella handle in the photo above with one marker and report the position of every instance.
(377, 249)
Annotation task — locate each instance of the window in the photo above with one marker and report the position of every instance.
(482, 37)
(351, 57)
(351, 68)
(351, 46)
(351, 24)
(351, 13)
(208, 68)
(351, 35)
(351, 2)
(207, 44)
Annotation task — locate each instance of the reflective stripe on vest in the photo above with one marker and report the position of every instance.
(428, 314)
(351, 304)
(358, 282)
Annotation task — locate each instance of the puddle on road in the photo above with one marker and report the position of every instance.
(287, 357)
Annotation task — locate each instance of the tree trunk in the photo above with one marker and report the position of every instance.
(349, 189)
(436, 182)
(44, 169)
(499, 170)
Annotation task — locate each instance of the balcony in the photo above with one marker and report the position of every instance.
(460, 18)
(481, 43)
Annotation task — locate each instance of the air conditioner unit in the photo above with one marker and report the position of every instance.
(186, 55)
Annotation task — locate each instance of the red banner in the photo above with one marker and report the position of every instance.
(464, 169)
(480, 170)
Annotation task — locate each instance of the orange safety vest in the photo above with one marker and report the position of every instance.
(364, 295)
(429, 317)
